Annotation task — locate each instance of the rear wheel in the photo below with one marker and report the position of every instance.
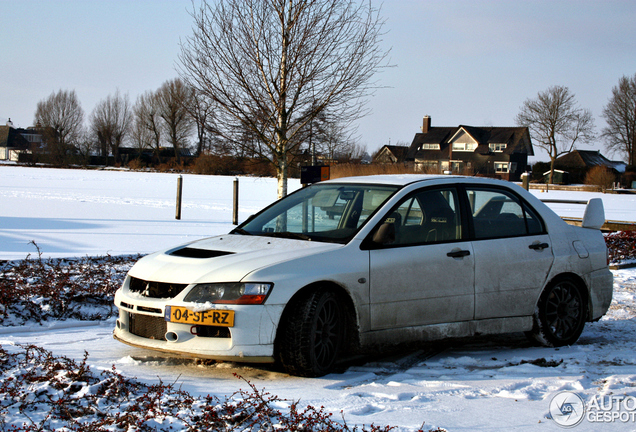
(312, 334)
(561, 314)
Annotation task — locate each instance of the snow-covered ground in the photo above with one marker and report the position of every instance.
(487, 384)
(69, 212)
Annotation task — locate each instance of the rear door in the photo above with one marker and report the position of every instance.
(424, 272)
(513, 253)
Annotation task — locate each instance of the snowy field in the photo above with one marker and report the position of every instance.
(497, 383)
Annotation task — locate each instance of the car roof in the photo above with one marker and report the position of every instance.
(405, 179)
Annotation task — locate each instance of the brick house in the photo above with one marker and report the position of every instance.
(500, 152)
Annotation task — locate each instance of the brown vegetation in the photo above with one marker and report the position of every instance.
(72, 396)
(600, 176)
(350, 170)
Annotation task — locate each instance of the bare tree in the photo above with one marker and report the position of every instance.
(140, 137)
(148, 122)
(620, 115)
(85, 148)
(201, 110)
(110, 123)
(61, 118)
(173, 97)
(556, 123)
(333, 138)
(271, 66)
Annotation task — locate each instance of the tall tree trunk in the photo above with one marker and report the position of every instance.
(281, 174)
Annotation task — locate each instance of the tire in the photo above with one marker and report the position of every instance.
(312, 335)
(560, 315)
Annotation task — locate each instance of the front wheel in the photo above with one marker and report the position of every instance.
(312, 335)
(560, 315)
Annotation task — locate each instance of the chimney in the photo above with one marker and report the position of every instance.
(9, 122)
(426, 124)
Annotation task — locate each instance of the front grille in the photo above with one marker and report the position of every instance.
(146, 326)
(148, 309)
(155, 289)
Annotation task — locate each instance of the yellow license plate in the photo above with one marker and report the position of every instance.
(221, 318)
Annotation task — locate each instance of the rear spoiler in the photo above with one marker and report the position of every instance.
(594, 216)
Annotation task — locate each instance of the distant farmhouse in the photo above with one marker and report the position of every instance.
(500, 152)
(391, 154)
(574, 166)
(16, 141)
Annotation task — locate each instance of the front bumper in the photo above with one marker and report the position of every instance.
(141, 323)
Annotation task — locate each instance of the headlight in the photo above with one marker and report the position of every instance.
(229, 293)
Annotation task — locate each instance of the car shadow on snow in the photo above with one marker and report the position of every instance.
(488, 352)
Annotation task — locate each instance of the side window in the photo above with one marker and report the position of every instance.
(499, 214)
(535, 226)
(430, 216)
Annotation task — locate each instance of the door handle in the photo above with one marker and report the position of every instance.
(539, 246)
(458, 254)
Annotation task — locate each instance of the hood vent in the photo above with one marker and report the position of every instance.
(188, 252)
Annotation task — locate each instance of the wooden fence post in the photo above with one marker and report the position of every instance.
(179, 191)
(235, 202)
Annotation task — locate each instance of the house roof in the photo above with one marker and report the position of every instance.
(10, 137)
(517, 140)
(585, 158)
(399, 152)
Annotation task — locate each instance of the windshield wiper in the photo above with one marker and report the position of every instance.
(240, 231)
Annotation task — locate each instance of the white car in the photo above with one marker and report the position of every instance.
(354, 263)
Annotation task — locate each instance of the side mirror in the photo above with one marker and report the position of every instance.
(594, 216)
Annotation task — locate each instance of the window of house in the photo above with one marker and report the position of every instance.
(464, 146)
(429, 147)
(501, 167)
(497, 147)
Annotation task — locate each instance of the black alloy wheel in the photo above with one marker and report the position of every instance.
(312, 334)
(561, 314)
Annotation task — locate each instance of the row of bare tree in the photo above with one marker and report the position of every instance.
(174, 116)
(557, 123)
(157, 119)
(271, 79)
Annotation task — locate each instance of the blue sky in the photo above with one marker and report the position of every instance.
(459, 61)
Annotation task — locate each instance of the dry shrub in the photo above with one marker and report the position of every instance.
(621, 246)
(629, 177)
(43, 392)
(171, 166)
(262, 168)
(36, 290)
(208, 165)
(350, 170)
(600, 176)
(136, 164)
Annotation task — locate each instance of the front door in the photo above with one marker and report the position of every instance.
(425, 273)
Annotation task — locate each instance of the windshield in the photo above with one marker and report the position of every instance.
(323, 212)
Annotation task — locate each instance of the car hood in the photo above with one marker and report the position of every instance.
(226, 258)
